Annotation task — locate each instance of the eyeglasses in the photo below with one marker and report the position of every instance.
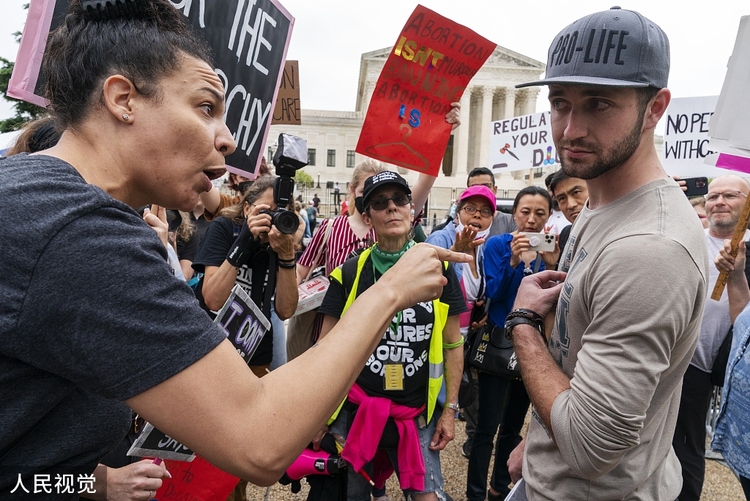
(471, 210)
(381, 203)
(728, 196)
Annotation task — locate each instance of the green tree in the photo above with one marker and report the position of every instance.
(25, 112)
(302, 178)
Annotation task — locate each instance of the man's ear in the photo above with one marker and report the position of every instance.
(656, 108)
(118, 93)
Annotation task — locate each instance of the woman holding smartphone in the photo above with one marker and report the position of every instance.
(504, 402)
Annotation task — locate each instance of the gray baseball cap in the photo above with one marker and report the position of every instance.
(616, 47)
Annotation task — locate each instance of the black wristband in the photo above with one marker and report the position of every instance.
(238, 255)
(524, 316)
(523, 312)
(513, 322)
(287, 265)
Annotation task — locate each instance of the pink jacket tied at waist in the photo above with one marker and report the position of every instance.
(367, 428)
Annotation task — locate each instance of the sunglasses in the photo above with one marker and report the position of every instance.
(381, 203)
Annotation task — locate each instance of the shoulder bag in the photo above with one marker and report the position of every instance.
(493, 353)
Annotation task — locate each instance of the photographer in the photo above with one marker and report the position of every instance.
(244, 247)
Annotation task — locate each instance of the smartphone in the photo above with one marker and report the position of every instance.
(544, 242)
(696, 186)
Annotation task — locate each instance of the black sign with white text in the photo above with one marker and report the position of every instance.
(249, 39)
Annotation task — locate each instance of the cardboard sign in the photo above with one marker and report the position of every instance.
(523, 142)
(195, 481)
(287, 110)
(311, 294)
(154, 443)
(249, 39)
(430, 66)
(242, 322)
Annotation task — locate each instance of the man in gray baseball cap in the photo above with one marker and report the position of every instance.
(604, 377)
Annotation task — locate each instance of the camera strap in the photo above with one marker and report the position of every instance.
(271, 285)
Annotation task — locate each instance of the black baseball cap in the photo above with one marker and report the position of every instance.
(616, 47)
(379, 180)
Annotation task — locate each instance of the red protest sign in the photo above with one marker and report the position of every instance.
(429, 67)
(198, 480)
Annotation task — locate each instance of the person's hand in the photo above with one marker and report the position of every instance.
(156, 218)
(465, 240)
(281, 243)
(445, 431)
(137, 481)
(518, 246)
(515, 462)
(422, 268)
(259, 224)
(680, 182)
(724, 261)
(482, 321)
(551, 258)
(319, 438)
(539, 292)
(453, 117)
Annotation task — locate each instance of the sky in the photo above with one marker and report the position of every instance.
(330, 36)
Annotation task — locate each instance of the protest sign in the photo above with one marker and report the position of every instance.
(242, 322)
(249, 39)
(287, 110)
(686, 141)
(154, 443)
(729, 128)
(245, 325)
(428, 68)
(523, 142)
(195, 481)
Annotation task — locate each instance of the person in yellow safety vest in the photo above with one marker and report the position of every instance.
(390, 419)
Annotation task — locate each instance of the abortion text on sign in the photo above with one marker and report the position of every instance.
(428, 68)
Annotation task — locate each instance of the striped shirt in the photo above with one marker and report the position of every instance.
(341, 243)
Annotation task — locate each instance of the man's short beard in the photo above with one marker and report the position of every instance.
(619, 154)
(729, 225)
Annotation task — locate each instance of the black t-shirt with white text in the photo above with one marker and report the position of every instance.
(406, 342)
(91, 315)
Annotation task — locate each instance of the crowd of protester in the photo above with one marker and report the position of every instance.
(618, 378)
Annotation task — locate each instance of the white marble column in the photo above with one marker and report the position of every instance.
(510, 102)
(461, 136)
(531, 98)
(486, 119)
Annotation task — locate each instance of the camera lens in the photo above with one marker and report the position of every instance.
(286, 221)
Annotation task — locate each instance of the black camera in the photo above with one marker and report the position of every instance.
(290, 156)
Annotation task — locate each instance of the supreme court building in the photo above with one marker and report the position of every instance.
(491, 95)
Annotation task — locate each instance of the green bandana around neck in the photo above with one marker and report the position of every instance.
(383, 261)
